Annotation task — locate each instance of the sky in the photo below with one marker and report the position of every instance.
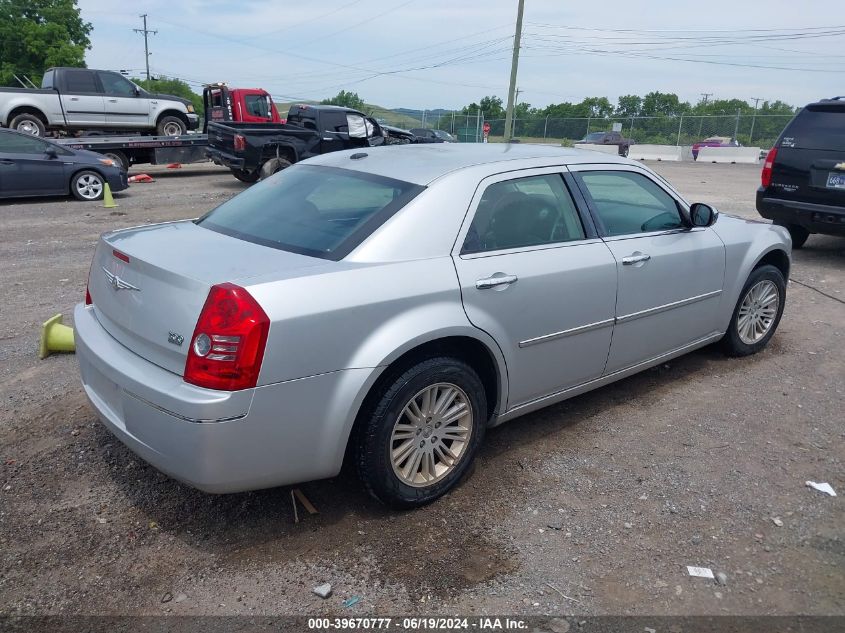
(447, 53)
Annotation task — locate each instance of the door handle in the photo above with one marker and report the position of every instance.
(112, 100)
(635, 259)
(74, 98)
(492, 282)
(7, 162)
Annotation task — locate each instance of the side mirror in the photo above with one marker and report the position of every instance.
(51, 152)
(702, 214)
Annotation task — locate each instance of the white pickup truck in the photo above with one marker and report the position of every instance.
(86, 99)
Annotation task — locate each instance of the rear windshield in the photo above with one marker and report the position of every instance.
(318, 211)
(818, 127)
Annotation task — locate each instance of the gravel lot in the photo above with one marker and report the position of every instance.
(604, 499)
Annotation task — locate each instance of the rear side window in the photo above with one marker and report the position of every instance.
(523, 212)
(817, 127)
(81, 81)
(628, 203)
(318, 211)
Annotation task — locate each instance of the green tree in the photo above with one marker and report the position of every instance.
(629, 105)
(663, 104)
(345, 99)
(38, 34)
(175, 87)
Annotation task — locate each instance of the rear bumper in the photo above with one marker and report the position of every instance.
(213, 440)
(816, 218)
(219, 157)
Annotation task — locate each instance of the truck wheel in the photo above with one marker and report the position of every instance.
(798, 234)
(28, 124)
(272, 166)
(119, 158)
(171, 126)
(87, 185)
(246, 176)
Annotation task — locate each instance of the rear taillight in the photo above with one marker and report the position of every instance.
(228, 343)
(88, 301)
(766, 176)
(240, 142)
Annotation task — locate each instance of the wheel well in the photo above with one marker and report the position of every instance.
(175, 113)
(777, 258)
(469, 350)
(281, 151)
(27, 110)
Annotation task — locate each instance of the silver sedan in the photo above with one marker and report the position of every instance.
(392, 304)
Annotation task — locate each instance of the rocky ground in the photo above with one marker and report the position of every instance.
(594, 506)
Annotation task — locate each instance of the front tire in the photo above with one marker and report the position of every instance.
(757, 313)
(171, 126)
(421, 433)
(28, 124)
(87, 185)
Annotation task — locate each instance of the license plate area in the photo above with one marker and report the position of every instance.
(836, 180)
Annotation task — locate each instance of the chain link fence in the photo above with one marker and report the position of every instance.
(751, 130)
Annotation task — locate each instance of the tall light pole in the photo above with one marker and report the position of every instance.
(514, 64)
(756, 100)
(146, 32)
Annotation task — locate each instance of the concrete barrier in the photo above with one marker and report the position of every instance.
(658, 152)
(605, 149)
(729, 155)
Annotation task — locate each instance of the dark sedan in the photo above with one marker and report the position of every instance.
(426, 135)
(31, 166)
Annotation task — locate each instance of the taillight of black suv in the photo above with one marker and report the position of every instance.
(803, 180)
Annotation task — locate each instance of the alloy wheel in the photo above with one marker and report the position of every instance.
(431, 434)
(89, 186)
(758, 311)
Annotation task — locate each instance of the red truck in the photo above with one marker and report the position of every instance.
(245, 105)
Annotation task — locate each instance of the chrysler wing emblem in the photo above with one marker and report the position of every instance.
(117, 283)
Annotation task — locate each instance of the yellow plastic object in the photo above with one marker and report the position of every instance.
(108, 201)
(55, 337)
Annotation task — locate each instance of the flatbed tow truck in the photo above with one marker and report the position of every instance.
(248, 105)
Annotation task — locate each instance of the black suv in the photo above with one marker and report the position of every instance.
(803, 180)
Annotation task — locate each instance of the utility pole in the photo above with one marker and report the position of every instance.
(705, 95)
(756, 100)
(515, 104)
(146, 32)
(514, 64)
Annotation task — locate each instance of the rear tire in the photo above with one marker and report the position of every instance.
(171, 126)
(273, 166)
(798, 234)
(119, 158)
(756, 315)
(87, 185)
(246, 176)
(28, 124)
(409, 450)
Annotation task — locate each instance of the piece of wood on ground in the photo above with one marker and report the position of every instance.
(304, 501)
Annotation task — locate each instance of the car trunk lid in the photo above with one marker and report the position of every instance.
(148, 285)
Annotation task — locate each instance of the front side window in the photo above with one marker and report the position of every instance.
(628, 203)
(258, 106)
(116, 85)
(318, 211)
(523, 212)
(21, 144)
